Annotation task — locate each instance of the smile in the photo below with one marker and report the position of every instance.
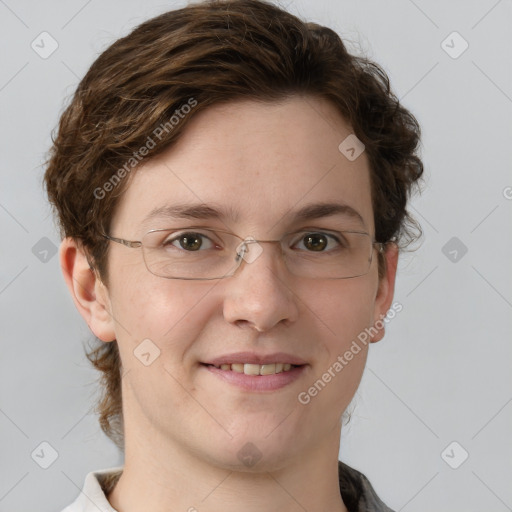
(257, 377)
(256, 369)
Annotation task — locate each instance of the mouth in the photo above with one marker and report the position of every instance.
(255, 369)
(253, 372)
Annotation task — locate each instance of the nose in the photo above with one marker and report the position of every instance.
(260, 293)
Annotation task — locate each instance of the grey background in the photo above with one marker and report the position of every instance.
(443, 371)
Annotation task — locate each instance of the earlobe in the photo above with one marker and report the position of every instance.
(87, 291)
(385, 292)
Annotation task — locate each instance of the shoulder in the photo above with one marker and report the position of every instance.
(357, 491)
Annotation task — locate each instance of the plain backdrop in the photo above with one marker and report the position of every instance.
(431, 421)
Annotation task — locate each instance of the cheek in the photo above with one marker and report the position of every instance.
(341, 311)
(171, 313)
(345, 307)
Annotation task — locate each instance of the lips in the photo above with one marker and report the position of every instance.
(252, 358)
(255, 372)
(257, 383)
(256, 369)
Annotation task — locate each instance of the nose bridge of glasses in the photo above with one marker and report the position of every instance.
(251, 249)
(241, 248)
(251, 240)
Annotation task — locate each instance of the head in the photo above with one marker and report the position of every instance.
(241, 106)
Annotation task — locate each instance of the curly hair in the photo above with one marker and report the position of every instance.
(214, 52)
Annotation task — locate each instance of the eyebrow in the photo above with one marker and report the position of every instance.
(218, 212)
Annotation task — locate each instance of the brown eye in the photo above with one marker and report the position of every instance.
(189, 241)
(321, 242)
(315, 242)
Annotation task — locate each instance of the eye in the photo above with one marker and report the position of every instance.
(321, 242)
(189, 241)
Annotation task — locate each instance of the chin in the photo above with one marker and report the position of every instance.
(251, 459)
(254, 453)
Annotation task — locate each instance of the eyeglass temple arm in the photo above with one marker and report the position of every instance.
(382, 245)
(128, 243)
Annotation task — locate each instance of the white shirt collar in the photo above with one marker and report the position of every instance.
(92, 497)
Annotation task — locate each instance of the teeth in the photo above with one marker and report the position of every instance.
(267, 369)
(256, 369)
(252, 369)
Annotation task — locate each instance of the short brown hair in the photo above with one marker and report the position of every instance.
(214, 52)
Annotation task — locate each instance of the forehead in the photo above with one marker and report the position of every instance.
(258, 163)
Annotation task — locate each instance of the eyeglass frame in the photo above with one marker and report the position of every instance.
(133, 244)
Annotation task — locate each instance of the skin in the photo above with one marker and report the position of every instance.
(183, 425)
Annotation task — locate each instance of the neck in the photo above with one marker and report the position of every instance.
(162, 477)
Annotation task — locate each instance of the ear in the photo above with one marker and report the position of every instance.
(385, 292)
(89, 294)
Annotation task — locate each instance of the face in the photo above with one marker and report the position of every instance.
(262, 162)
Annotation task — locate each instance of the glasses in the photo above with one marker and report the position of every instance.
(200, 254)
